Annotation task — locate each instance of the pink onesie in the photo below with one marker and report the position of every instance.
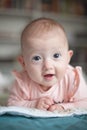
(70, 92)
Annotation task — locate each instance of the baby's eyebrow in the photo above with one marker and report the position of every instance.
(59, 49)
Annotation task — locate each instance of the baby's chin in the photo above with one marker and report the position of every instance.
(47, 86)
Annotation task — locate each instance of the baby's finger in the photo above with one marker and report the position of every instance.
(46, 106)
(52, 108)
(49, 101)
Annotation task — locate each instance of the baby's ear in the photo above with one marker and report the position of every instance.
(70, 54)
(21, 61)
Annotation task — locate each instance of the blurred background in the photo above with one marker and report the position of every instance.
(15, 14)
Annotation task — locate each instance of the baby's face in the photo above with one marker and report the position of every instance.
(46, 59)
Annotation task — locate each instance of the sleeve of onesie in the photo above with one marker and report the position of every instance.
(20, 94)
(78, 96)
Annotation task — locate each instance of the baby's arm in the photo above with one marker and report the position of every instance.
(78, 95)
(77, 98)
(20, 97)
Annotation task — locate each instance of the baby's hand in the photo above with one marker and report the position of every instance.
(56, 107)
(44, 103)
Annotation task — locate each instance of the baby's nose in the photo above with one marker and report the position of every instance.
(48, 64)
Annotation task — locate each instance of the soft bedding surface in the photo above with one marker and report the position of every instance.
(15, 118)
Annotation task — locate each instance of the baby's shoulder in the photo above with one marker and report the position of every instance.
(21, 75)
(73, 71)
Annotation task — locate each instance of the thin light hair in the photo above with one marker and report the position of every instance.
(39, 27)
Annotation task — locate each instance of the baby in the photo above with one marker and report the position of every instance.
(47, 81)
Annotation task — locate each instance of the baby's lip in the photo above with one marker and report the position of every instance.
(48, 76)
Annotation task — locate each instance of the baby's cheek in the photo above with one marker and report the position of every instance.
(33, 74)
(61, 69)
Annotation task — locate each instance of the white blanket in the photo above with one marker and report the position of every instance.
(32, 112)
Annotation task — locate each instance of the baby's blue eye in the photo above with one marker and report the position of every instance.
(56, 55)
(36, 58)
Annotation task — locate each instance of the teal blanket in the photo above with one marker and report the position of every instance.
(17, 122)
(20, 118)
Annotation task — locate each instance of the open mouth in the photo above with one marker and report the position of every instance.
(48, 76)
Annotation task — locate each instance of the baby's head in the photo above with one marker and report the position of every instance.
(45, 54)
(42, 28)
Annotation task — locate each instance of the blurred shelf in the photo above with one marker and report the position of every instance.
(34, 13)
(15, 12)
(9, 51)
